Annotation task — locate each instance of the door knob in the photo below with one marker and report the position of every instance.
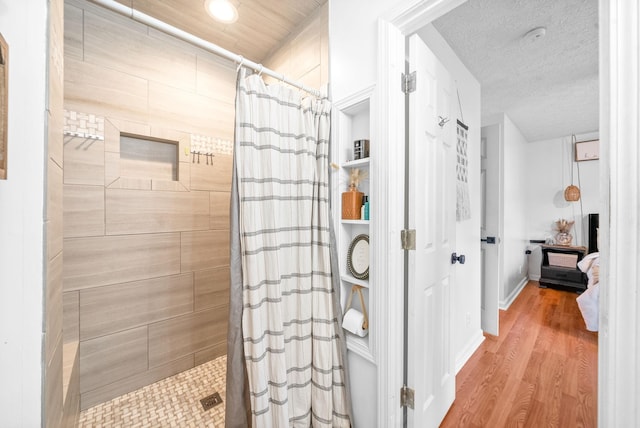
(457, 258)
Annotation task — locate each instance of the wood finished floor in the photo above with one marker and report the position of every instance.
(541, 371)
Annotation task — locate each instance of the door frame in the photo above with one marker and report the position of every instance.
(619, 337)
(492, 289)
(619, 340)
(407, 17)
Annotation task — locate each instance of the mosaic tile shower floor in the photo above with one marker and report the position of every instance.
(171, 402)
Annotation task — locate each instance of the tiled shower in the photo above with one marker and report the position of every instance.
(146, 230)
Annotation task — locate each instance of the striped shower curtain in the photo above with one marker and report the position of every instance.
(291, 340)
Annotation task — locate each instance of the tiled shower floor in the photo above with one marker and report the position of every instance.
(171, 402)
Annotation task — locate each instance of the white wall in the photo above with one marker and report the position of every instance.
(547, 174)
(352, 44)
(515, 197)
(23, 25)
(467, 334)
(352, 68)
(513, 236)
(353, 56)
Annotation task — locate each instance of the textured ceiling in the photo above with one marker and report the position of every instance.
(549, 87)
(262, 24)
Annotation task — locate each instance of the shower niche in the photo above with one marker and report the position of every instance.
(352, 125)
(140, 158)
(145, 157)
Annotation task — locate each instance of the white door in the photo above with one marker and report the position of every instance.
(490, 228)
(432, 196)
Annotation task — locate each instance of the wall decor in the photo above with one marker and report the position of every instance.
(463, 204)
(358, 257)
(4, 98)
(587, 150)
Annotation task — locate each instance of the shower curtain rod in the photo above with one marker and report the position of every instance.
(197, 41)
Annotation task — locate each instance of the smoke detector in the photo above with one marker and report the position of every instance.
(534, 35)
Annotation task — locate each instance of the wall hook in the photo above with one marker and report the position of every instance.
(443, 121)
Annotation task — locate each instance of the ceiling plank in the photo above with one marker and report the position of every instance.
(261, 26)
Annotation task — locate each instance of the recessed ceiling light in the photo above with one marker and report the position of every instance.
(221, 10)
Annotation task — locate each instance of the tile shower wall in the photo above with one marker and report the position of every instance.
(57, 411)
(61, 397)
(304, 56)
(146, 260)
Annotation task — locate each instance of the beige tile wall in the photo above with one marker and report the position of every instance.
(146, 260)
(53, 397)
(304, 56)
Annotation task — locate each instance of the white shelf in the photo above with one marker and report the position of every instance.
(352, 280)
(359, 345)
(357, 162)
(364, 222)
(353, 122)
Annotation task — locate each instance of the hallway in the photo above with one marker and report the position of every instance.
(541, 370)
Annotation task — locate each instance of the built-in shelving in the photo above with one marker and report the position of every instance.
(354, 281)
(352, 122)
(360, 345)
(362, 222)
(355, 163)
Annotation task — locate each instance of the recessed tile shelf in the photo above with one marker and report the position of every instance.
(148, 158)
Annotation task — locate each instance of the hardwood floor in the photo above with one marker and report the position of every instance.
(540, 372)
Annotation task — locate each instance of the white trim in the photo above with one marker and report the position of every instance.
(504, 304)
(412, 15)
(471, 347)
(359, 346)
(388, 168)
(619, 348)
(619, 353)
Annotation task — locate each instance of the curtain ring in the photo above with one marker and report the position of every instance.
(240, 64)
(282, 79)
(261, 70)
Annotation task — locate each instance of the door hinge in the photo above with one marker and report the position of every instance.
(408, 239)
(408, 82)
(406, 397)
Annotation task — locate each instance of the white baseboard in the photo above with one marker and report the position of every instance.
(534, 277)
(504, 304)
(468, 350)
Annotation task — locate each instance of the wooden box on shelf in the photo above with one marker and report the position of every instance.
(351, 203)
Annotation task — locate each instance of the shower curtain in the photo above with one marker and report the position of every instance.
(284, 314)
